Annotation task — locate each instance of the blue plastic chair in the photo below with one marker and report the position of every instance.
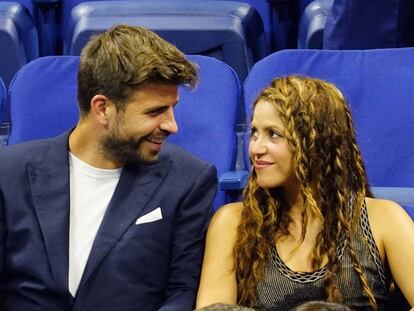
(26, 3)
(227, 30)
(42, 98)
(312, 24)
(378, 85)
(43, 13)
(18, 45)
(18, 37)
(262, 6)
(207, 117)
(43, 104)
(265, 10)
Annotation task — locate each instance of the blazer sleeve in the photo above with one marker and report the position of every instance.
(188, 242)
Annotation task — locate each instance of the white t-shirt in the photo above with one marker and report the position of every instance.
(91, 189)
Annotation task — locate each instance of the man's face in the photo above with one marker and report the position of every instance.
(136, 133)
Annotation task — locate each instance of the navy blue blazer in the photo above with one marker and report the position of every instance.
(145, 267)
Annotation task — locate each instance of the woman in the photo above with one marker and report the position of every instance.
(307, 228)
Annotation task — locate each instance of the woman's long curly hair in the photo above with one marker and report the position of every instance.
(330, 172)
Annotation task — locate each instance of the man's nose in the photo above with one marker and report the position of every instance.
(169, 124)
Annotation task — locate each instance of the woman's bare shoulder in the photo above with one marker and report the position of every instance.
(379, 208)
(228, 215)
(386, 215)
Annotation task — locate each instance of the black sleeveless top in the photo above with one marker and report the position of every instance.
(282, 289)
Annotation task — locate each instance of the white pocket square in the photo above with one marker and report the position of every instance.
(150, 217)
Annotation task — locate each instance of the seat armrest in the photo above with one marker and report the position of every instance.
(233, 180)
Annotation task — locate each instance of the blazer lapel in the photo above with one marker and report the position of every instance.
(134, 189)
(49, 182)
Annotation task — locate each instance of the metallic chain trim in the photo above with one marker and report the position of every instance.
(371, 243)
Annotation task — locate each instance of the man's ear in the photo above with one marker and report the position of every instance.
(100, 108)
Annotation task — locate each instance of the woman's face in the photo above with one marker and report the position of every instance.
(269, 150)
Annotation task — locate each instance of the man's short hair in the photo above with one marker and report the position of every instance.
(120, 60)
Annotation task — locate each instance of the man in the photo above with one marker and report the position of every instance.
(108, 216)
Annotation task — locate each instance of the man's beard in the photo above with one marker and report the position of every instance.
(126, 150)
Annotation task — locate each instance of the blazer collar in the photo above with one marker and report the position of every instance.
(135, 187)
(49, 180)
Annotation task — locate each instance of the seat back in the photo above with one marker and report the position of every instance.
(18, 37)
(19, 43)
(312, 24)
(207, 116)
(264, 8)
(230, 31)
(42, 98)
(378, 86)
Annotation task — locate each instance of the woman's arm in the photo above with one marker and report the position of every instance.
(395, 231)
(218, 279)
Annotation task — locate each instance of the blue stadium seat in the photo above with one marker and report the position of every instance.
(43, 104)
(44, 17)
(42, 98)
(207, 116)
(262, 6)
(312, 24)
(18, 46)
(378, 85)
(230, 31)
(18, 37)
(25, 3)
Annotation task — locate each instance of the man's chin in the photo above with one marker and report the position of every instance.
(149, 158)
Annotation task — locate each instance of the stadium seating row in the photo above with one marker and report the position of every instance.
(230, 31)
(239, 33)
(42, 100)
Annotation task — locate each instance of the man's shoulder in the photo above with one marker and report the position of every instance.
(182, 158)
(26, 151)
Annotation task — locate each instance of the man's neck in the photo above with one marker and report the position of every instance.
(84, 143)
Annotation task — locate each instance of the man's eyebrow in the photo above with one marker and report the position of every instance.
(160, 107)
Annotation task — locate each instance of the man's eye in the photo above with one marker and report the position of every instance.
(156, 112)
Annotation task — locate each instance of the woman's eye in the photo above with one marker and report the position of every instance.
(253, 133)
(275, 134)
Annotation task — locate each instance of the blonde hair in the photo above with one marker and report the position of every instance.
(319, 130)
